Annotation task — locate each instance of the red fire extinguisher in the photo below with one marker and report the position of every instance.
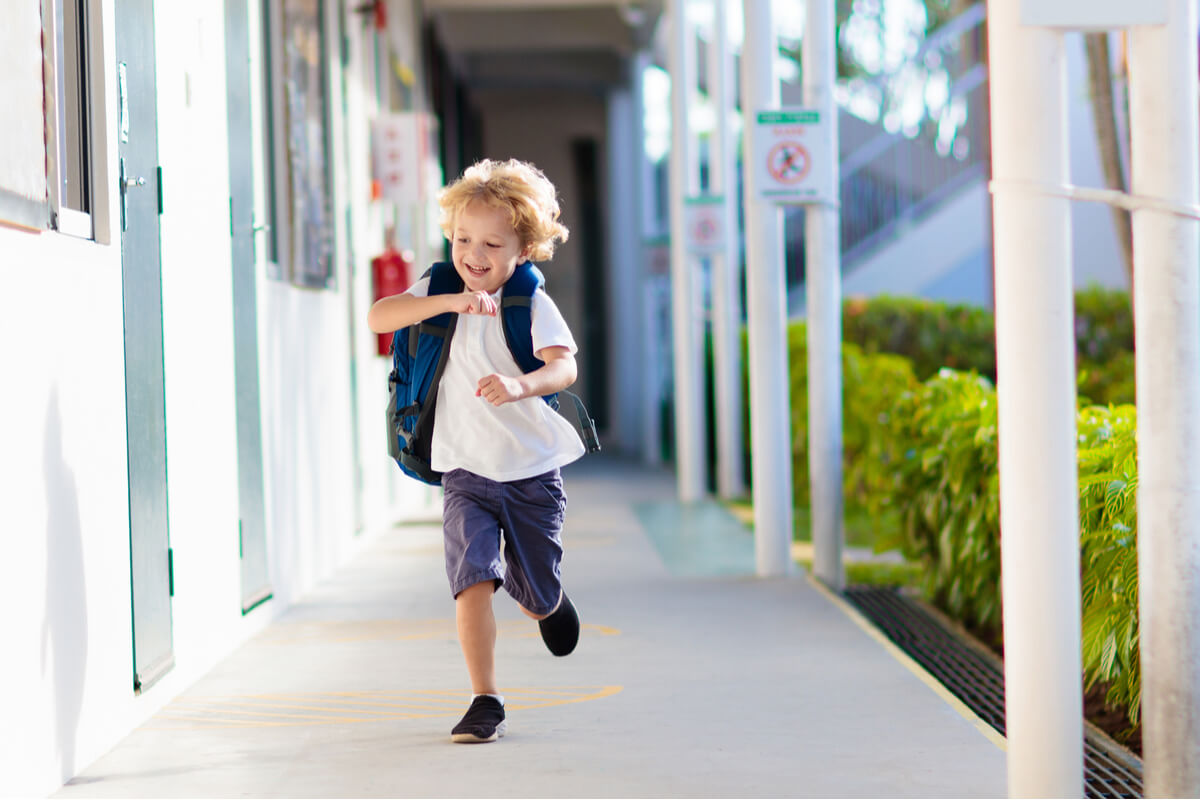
(392, 271)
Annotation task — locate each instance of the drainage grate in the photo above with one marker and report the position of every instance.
(979, 682)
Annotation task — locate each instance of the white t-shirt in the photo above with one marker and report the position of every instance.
(508, 442)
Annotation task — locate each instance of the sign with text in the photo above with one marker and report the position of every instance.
(795, 164)
(397, 147)
(704, 219)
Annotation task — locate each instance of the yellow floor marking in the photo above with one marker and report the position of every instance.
(255, 710)
(904, 658)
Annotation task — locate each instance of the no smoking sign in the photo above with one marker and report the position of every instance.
(704, 223)
(789, 163)
(795, 162)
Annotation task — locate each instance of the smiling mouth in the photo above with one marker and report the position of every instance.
(478, 272)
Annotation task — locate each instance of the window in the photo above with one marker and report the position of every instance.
(46, 68)
(69, 108)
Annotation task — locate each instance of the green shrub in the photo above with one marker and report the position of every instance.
(870, 386)
(946, 487)
(1108, 553)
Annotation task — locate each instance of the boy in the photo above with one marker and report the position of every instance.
(497, 443)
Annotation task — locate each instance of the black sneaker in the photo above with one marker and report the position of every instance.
(560, 630)
(483, 722)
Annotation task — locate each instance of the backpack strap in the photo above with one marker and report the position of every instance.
(516, 309)
(443, 279)
(436, 332)
(516, 312)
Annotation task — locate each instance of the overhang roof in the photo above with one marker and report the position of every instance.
(582, 44)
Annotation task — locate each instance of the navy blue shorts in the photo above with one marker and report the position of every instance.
(527, 514)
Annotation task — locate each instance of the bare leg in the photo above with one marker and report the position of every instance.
(540, 617)
(477, 635)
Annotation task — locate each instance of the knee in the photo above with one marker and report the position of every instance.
(477, 593)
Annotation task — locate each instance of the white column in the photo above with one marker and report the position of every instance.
(770, 424)
(1035, 362)
(726, 265)
(822, 229)
(1166, 293)
(691, 464)
(626, 333)
(652, 366)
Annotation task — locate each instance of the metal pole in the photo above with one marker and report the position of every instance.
(690, 458)
(770, 423)
(822, 229)
(726, 266)
(1166, 294)
(1035, 357)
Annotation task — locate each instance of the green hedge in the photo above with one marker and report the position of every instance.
(933, 335)
(930, 334)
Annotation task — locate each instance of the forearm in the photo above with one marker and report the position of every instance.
(401, 310)
(555, 376)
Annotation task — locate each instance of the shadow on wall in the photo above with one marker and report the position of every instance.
(65, 630)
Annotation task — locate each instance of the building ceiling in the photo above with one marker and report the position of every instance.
(581, 44)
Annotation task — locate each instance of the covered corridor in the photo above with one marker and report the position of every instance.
(692, 679)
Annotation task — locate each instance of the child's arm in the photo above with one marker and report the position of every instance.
(400, 310)
(556, 374)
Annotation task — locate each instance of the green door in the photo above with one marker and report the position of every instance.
(256, 586)
(141, 276)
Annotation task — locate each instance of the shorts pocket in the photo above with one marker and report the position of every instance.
(545, 491)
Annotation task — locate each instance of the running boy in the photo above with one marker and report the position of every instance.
(497, 443)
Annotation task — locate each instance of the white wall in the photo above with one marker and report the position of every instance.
(64, 582)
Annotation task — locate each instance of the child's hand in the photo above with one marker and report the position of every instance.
(474, 303)
(499, 389)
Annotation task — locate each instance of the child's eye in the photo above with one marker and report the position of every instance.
(492, 244)
(461, 240)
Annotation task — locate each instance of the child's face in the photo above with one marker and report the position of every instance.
(485, 248)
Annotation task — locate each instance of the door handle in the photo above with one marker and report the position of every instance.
(133, 183)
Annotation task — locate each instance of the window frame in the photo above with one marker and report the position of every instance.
(87, 164)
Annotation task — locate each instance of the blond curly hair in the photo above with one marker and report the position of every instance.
(514, 186)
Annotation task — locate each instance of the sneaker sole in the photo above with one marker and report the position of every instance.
(470, 738)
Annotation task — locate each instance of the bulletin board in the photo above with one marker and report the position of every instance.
(306, 98)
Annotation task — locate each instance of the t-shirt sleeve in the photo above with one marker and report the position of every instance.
(547, 324)
(419, 289)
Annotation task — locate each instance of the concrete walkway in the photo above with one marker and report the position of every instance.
(692, 679)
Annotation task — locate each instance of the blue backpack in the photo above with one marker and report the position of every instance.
(419, 355)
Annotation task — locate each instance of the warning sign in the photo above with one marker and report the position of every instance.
(795, 162)
(704, 220)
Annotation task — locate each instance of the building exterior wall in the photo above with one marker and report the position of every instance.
(65, 580)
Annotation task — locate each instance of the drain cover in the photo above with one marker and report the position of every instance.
(979, 682)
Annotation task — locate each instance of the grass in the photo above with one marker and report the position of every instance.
(863, 532)
(862, 529)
